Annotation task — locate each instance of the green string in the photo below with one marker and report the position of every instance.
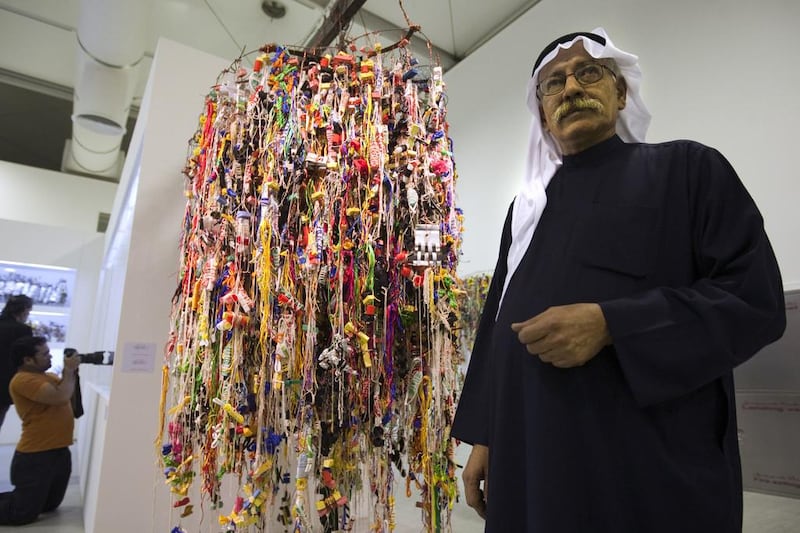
(371, 271)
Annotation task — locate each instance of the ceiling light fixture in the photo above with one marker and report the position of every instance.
(273, 9)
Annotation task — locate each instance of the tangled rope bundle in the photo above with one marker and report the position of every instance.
(471, 305)
(314, 340)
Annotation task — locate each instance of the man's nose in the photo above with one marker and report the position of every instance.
(572, 86)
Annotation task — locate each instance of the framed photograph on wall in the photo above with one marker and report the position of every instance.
(50, 325)
(48, 286)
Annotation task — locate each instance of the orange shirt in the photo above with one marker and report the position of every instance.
(44, 427)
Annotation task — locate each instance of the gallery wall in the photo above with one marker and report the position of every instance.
(715, 71)
(147, 252)
(50, 218)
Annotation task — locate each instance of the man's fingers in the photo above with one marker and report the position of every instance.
(481, 509)
(531, 333)
(518, 326)
(475, 471)
(475, 499)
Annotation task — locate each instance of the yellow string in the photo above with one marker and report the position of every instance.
(264, 280)
(427, 468)
(161, 406)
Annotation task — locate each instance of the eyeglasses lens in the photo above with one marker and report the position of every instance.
(586, 75)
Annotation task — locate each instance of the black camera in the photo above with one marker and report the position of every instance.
(93, 358)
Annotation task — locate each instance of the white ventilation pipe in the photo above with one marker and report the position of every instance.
(112, 37)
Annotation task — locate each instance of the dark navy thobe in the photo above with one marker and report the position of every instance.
(642, 438)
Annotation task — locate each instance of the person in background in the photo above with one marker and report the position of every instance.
(42, 462)
(12, 326)
(632, 279)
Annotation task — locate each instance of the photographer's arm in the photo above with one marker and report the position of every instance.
(55, 394)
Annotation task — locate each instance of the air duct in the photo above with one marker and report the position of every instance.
(112, 36)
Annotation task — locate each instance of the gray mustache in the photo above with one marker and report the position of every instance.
(578, 104)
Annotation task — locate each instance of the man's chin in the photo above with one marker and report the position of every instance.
(578, 122)
(579, 132)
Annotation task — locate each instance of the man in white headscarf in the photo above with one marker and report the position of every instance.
(632, 279)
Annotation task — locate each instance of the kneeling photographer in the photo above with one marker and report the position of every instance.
(42, 462)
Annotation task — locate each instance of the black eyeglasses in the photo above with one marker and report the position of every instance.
(586, 75)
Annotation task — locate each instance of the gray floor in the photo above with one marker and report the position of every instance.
(68, 518)
(762, 513)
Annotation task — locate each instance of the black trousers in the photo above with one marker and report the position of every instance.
(40, 481)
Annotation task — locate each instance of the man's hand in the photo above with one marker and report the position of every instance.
(565, 336)
(477, 470)
(71, 363)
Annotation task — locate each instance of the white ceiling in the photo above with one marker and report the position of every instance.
(39, 48)
(38, 36)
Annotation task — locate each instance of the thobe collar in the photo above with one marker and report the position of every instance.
(594, 154)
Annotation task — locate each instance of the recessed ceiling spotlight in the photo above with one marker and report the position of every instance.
(273, 9)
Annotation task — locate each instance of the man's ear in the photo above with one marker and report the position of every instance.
(622, 93)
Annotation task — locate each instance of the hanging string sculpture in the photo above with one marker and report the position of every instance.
(471, 305)
(314, 338)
